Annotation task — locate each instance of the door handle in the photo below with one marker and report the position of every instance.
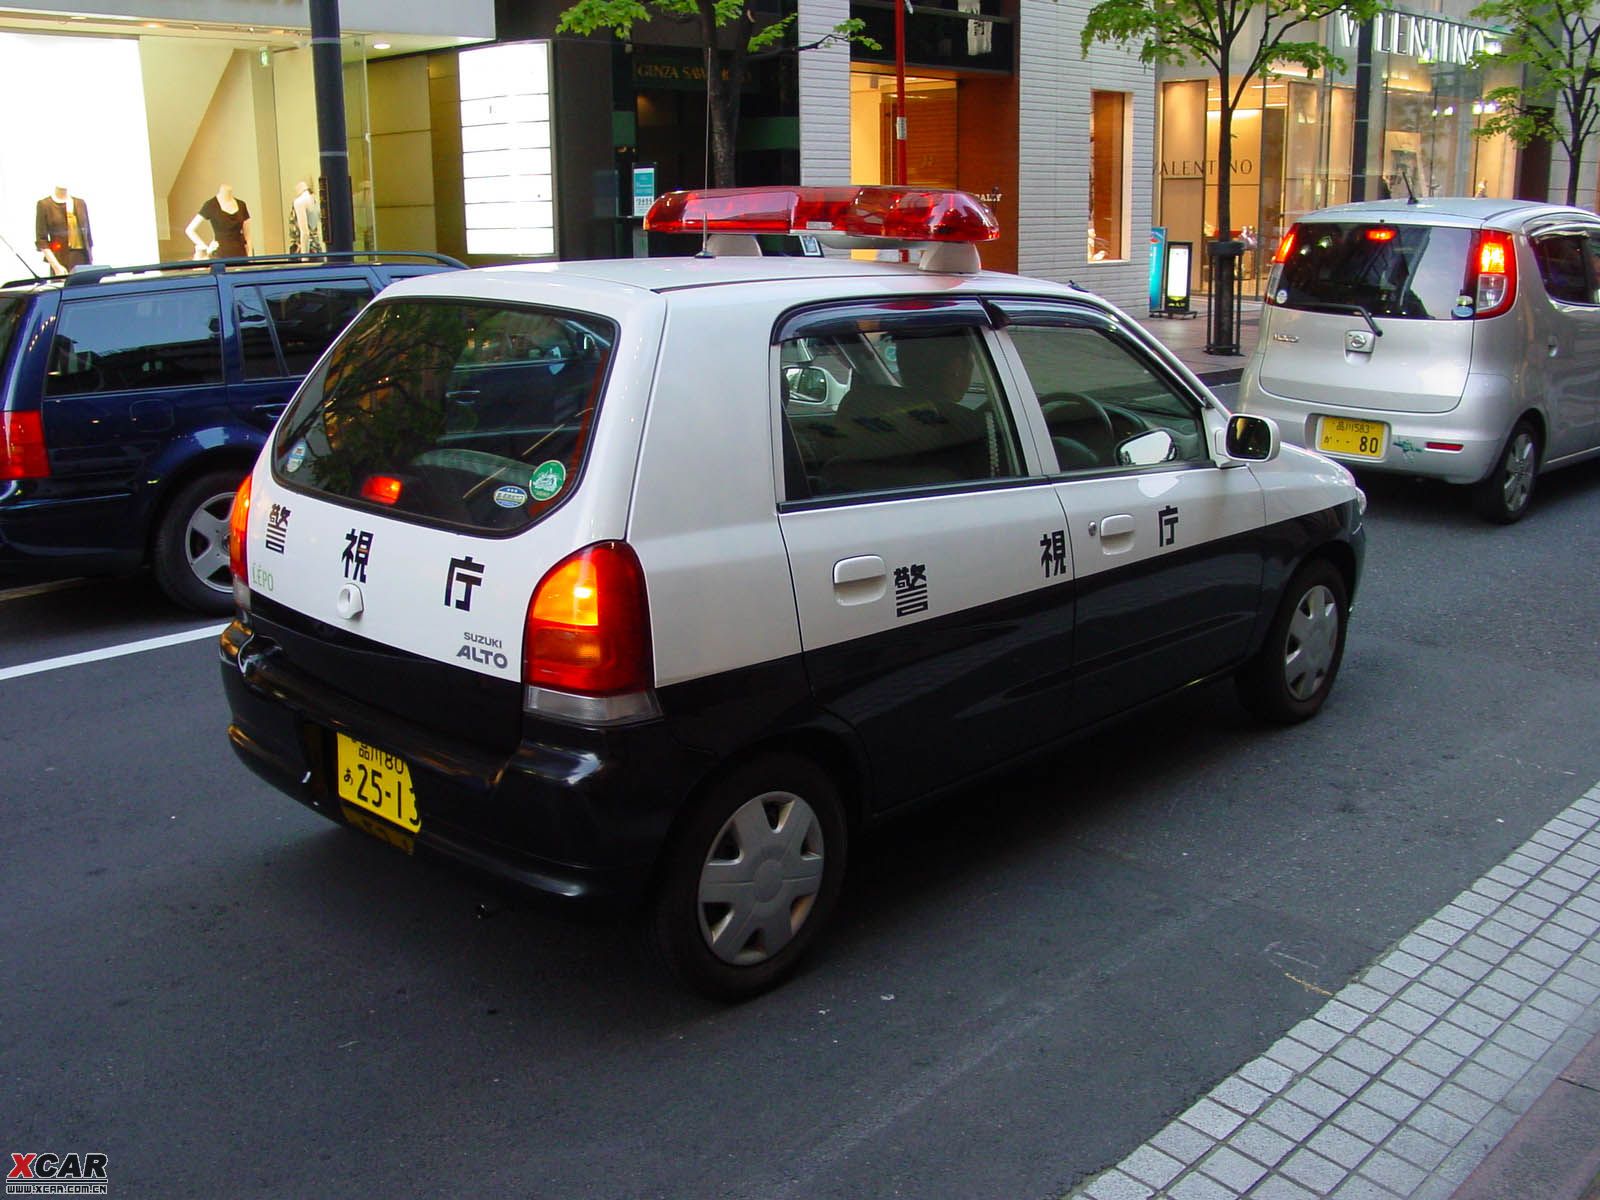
(859, 580)
(1552, 346)
(1116, 533)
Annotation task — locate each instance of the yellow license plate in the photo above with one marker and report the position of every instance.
(1364, 439)
(378, 782)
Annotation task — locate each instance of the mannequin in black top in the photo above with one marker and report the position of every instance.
(61, 227)
(230, 226)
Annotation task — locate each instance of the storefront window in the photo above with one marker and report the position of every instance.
(1108, 156)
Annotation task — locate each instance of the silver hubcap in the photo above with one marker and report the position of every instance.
(1313, 634)
(205, 542)
(761, 878)
(1520, 463)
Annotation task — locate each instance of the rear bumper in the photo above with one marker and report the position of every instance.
(1478, 427)
(582, 818)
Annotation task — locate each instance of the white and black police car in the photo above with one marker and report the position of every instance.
(656, 580)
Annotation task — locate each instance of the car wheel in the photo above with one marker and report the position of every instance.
(1503, 496)
(190, 557)
(1292, 675)
(750, 878)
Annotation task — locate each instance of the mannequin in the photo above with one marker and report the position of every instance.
(305, 221)
(230, 226)
(61, 227)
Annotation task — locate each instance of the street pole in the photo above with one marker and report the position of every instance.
(327, 72)
(900, 7)
(1358, 141)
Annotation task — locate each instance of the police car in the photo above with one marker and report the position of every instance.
(658, 579)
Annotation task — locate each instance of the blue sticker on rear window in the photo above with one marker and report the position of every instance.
(510, 496)
(296, 456)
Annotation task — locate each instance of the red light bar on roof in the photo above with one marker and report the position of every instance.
(835, 215)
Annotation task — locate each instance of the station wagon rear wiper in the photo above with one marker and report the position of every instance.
(1355, 310)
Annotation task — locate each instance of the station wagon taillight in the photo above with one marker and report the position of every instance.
(1494, 263)
(586, 644)
(23, 454)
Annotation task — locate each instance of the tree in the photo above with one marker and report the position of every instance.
(1557, 42)
(1239, 40)
(727, 57)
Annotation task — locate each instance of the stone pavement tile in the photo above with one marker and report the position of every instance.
(1151, 1166)
(1184, 1143)
(1341, 1147)
(1365, 1122)
(1289, 1119)
(1261, 1144)
(1314, 1097)
(1276, 1187)
(1233, 1170)
(1240, 1095)
(1310, 1169)
(1267, 1074)
(1210, 1117)
(1358, 1187)
(1319, 1036)
(1393, 1172)
(1114, 1185)
(1198, 1187)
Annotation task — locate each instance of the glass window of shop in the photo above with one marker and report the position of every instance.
(1293, 137)
(168, 121)
(1108, 163)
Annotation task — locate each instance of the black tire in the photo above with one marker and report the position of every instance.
(190, 554)
(770, 836)
(1504, 494)
(1294, 672)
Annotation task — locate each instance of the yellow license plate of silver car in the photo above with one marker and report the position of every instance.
(378, 782)
(1341, 435)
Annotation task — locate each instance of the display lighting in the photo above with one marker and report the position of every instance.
(839, 216)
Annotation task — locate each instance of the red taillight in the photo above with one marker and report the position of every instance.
(382, 489)
(1286, 246)
(588, 628)
(1495, 284)
(238, 527)
(1380, 234)
(22, 450)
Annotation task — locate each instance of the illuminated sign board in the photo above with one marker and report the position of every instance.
(507, 161)
(1426, 39)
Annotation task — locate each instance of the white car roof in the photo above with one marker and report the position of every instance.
(1445, 210)
(572, 283)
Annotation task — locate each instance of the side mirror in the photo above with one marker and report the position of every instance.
(1148, 449)
(808, 385)
(1252, 439)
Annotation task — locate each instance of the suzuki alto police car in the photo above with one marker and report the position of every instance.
(656, 580)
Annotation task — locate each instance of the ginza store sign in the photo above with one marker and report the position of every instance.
(1427, 39)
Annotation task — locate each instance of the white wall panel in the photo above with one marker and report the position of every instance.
(824, 96)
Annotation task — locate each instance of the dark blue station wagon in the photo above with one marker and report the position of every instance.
(133, 401)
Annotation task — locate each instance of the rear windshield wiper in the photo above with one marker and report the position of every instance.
(1355, 310)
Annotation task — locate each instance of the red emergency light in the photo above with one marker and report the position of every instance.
(841, 216)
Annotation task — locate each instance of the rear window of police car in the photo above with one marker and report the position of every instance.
(470, 415)
(1414, 271)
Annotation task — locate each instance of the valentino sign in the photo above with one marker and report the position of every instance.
(1426, 39)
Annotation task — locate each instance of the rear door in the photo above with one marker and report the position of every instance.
(1167, 556)
(1414, 355)
(1567, 341)
(283, 328)
(930, 563)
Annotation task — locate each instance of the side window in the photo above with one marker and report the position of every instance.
(261, 359)
(308, 316)
(135, 341)
(1563, 265)
(884, 410)
(1100, 401)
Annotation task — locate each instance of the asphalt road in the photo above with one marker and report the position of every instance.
(229, 996)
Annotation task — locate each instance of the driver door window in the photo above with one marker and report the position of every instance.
(1101, 404)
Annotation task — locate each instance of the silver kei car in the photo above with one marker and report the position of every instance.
(1452, 338)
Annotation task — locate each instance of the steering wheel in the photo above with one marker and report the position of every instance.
(1079, 426)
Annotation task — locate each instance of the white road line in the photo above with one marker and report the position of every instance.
(89, 656)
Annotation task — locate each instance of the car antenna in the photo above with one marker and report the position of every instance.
(26, 265)
(1411, 196)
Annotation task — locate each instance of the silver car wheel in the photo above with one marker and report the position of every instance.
(1521, 462)
(760, 880)
(205, 543)
(1313, 638)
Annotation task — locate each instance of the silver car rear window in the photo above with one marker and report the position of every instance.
(465, 414)
(1407, 271)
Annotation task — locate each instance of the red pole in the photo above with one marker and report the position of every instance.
(899, 92)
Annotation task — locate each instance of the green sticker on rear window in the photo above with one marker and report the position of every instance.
(548, 480)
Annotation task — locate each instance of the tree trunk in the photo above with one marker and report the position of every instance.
(723, 95)
(1221, 336)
